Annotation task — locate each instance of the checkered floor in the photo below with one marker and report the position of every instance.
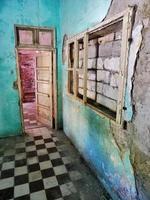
(29, 112)
(45, 166)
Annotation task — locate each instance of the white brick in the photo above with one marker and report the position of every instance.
(103, 76)
(111, 104)
(80, 90)
(107, 38)
(114, 80)
(81, 75)
(92, 63)
(92, 51)
(81, 53)
(81, 83)
(105, 49)
(112, 64)
(91, 94)
(100, 63)
(91, 75)
(110, 92)
(118, 35)
(99, 87)
(81, 63)
(116, 48)
(93, 42)
(91, 85)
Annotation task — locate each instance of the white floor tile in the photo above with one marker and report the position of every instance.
(6, 183)
(60, 170)
(34, 176)
(38, 195)
(21, 190)
(50, 182)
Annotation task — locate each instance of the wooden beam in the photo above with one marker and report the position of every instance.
(20, 91)
(55, 89)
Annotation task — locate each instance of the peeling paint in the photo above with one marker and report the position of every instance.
(133, 54)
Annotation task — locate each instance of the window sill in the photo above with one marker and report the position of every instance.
(97, 111)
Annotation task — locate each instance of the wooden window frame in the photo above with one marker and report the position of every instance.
(126, 17)
(35, 32)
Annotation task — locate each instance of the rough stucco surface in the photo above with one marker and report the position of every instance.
(46, 13)
(120, 158)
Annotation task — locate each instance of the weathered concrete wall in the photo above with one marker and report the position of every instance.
(24, 12)
(138, 111)
(119, 158)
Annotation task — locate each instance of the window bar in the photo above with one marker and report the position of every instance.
(85, 63)
(76, 61)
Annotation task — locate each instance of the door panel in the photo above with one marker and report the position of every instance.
(43, 61)
(43, 75)
(43, 100)
(43, 115)
(44, 88)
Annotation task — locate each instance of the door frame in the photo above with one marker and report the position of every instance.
(54, 81)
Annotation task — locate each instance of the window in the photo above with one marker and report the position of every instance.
(97, 65)
(34, 37)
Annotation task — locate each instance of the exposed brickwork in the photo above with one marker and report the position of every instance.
(103, 69)
(27, 63)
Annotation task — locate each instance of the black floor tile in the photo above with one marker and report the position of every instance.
(31, 143)
(40, 146)
(7, 173)
(52, 150)
(57, 162)
(47, 173)
(36, 186)
(53, 193)
(8, 158)
(25, 197)
(20, 163)
(43, 158)
(7, 193)
(63, 178)
(31, 154)
(38, 137)
(47, 140)
(22, 179)
(34, 167)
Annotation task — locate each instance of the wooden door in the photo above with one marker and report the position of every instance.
(44, 88)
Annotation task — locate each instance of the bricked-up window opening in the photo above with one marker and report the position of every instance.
(34, 37)
(100, 60)
(104, 51)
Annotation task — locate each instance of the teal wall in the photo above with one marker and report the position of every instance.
(24, 12)
(91, 133)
